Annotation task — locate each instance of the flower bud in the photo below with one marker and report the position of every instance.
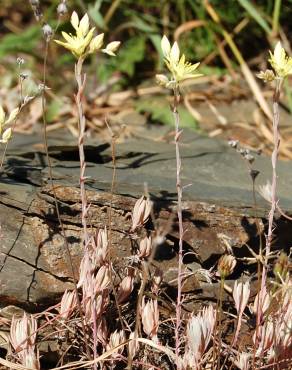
(111, 48)
(150, 318)
(126, 286)
(267, 76)
(133, 345)
(282, 266)
(141, 212)
(162, 80)
(68, 303)
(116, 338)
(226, 265)
(145, 247)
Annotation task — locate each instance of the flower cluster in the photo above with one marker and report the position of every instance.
(179, 68)
(281, 64)
(6, 133)
(83, 43)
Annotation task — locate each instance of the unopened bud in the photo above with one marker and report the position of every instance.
(141, 212)
(267, 76)
(282, 266)
(133, 345)
(162, 80)
(226, 265)
(145, 247)
(126, 286)
(150, 318)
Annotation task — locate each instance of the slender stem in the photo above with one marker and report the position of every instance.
(81, 80)
(269, 237)
(63, 233)
(180, 221)
(222, 281)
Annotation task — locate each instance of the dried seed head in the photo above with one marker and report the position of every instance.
(62, 9)
(20, 61)
(47, 32)
(23, 76)
(226, 265)
(233, 143)
(35, 4)
(254, 174)
(248, 157)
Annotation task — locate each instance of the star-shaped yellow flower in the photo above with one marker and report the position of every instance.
(83, 42)
(280, 61)
(177, 65)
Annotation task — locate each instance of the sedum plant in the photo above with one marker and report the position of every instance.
(180, 70)
(81, 44)
(282, 67)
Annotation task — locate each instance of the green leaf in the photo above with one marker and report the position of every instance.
(254, 13)
(23, 42)
(159, 111)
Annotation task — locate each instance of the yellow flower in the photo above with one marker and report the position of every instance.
(83, 42)
(279, 60)
(177, 65)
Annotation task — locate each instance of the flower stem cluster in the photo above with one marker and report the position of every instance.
(281, 64)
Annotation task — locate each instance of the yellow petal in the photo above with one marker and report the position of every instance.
(67, 37)
(165, 46)
(84, 25)
(174, 53)
(75, 20)
(278, 52)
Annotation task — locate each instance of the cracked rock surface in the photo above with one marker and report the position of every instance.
(218, 207)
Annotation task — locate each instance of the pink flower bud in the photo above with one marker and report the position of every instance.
(145, 247)
(126, 285)
(141, 212)
(150, 318)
